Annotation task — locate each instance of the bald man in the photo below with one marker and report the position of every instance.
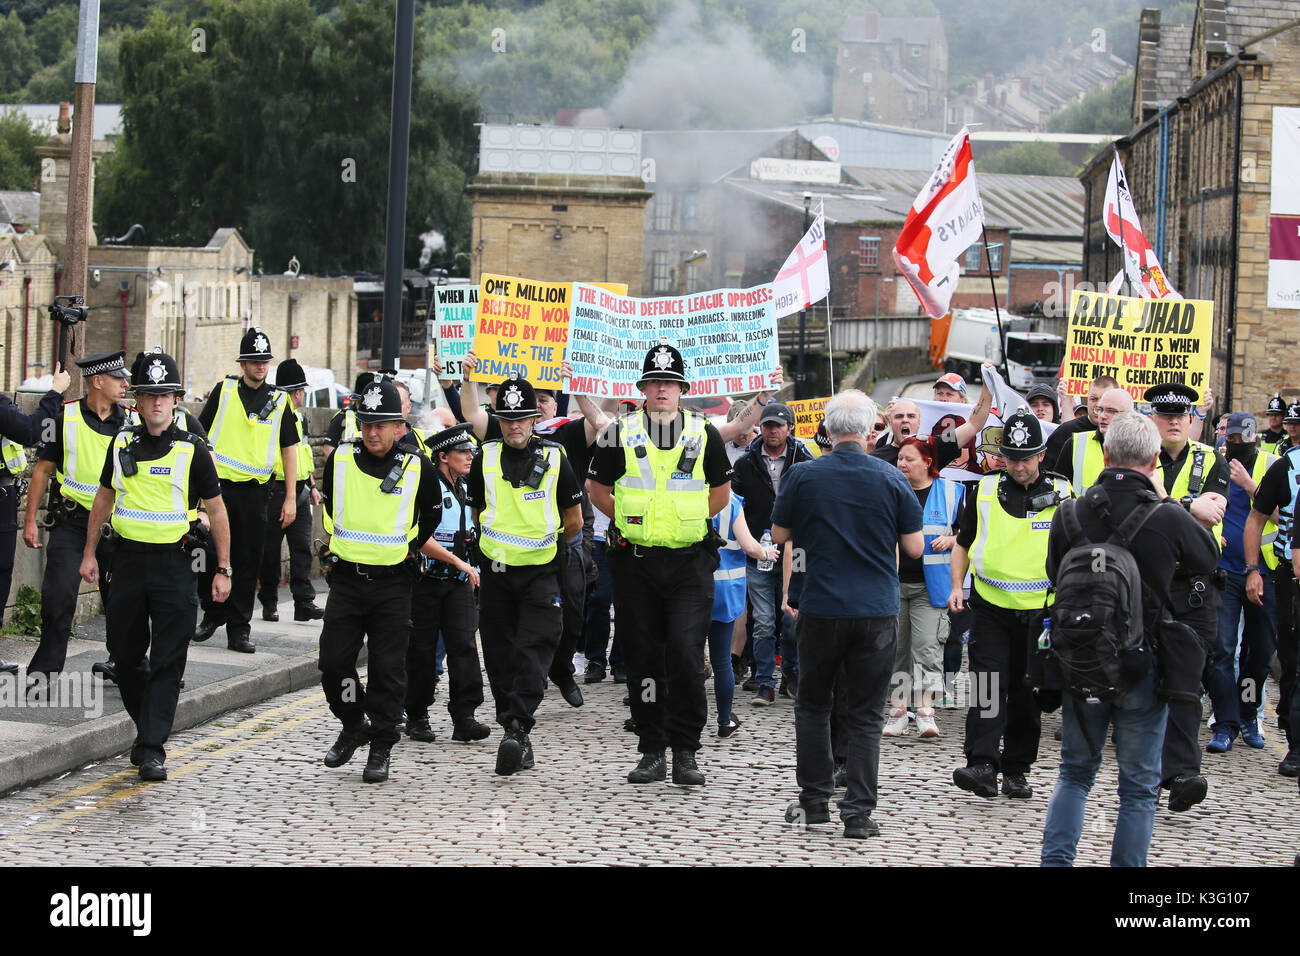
(1081, 461)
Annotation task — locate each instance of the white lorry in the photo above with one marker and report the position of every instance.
(1032, 357)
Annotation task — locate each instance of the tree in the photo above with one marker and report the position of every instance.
(19, 164)
(1102, 110)
(279, 127)
(1027, 159)
(18, 58)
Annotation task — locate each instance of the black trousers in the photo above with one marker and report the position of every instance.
(246, 507)
(60, 586)
(573, 589)
(663, 605)
(8, 540)
(519, 623)
(1287, 655)
(299, 535)
(151, 617)
(846, 662)
(375, 610)
(446, 606)
(1003, 726)
(1181, 754)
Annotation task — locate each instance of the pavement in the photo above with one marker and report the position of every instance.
(38, 742)
(249, 787)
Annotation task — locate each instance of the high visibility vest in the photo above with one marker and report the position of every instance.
(1268, 540)
(937, 518)
(366, 524)
(519, 527)
(15, 456)
(245, 447)
(655, 504)
(1286, 512)
(83, 457)
(306, 463)
(1086, 459)
(1200, 459)
(351, 430)
(1009, 555)
(153, 505)
(454, 518)
(810, 445)
(729, 578)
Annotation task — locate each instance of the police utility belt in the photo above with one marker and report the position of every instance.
(374, 572)
(198, 538)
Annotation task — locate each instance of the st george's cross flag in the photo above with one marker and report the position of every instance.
(945, 219)
(805, 277)
(1141, 265)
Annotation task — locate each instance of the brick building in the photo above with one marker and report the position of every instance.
(558, 203)
(891, 70)
(1199, 162)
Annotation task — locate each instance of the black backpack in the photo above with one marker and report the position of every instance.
(1098, 636)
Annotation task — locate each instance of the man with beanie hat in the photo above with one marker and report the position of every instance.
(1045, 403)
(248, 422)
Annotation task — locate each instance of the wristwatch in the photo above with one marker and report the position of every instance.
(1252, 567)
(1186, 502)
(228, 572)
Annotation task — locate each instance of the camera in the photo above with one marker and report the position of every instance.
(68, 309)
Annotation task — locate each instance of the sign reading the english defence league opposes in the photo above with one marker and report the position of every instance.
(727, 338)
(453, 328)
(808, 414)
(1138, 342)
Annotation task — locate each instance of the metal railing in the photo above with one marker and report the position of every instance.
(414, 340)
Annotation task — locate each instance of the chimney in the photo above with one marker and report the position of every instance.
(65, 120)
(872, 29)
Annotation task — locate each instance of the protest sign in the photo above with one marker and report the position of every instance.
(521, 326)
(1138, 342)
(807, 415)
(453, 328)
(727, 338)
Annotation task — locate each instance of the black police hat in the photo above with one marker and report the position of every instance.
(380, 402)
(1022, 436)
(456, 438)
(516, 400)
(663, 363)
(1276, 406)
(156, 373)
(823, 437)
(290, 376)
(1292, 415)
(1172, 398)
(110, 363)
(255, 346)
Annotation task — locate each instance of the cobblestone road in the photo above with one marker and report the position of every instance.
(250, 788)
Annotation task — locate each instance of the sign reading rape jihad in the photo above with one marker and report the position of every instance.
(1138, 342)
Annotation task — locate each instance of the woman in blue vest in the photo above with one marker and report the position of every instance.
(729, 602)
(923, 586)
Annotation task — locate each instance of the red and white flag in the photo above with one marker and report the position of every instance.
(1122, 224)
(806, 277)
(946, 218)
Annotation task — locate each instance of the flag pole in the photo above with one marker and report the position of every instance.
(997, 313)
(1119, 214)
(830, 345)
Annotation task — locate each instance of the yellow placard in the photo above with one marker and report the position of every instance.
(807, 415)
(1138, 342)
(521, 326)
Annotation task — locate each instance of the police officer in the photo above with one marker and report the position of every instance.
(381, 504)
(181, 416)
(659, 474)
(1196, 477)
(74, 454)
(291, 379)
(150, 482)
(249, 422)
(1276, 413)
(343, 425)
(525, 497)
(1291, 429)
(443, 602)
(1002, 539)
(16, 432)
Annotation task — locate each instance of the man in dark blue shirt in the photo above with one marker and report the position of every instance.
(845, 514)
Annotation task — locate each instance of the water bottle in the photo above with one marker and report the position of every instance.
(1045, 639)
(767, 542)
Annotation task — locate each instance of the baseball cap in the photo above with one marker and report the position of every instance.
(1243, 424)
(777, 412)
(953, 381)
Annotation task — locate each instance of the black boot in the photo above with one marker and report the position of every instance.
(346, 746)
(510, 752)
(377, 763)
(650, 769)
(981, 779)
(107, 668)
(270, 613)
(685, 772)
(417, 728)
(308, 612)
(206, 629)
(468, 729)
(526, 762)
(1015, 785)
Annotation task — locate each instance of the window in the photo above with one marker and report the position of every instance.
(995, 257)
(692, 277)
(972, 261)
(916, 51)
(660, 277)
(868, 252)
(663, 212)
(690, 212)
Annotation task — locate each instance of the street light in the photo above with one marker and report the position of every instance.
(692, 258)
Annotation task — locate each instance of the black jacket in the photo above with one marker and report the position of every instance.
(1170, 537)
(750, 480)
